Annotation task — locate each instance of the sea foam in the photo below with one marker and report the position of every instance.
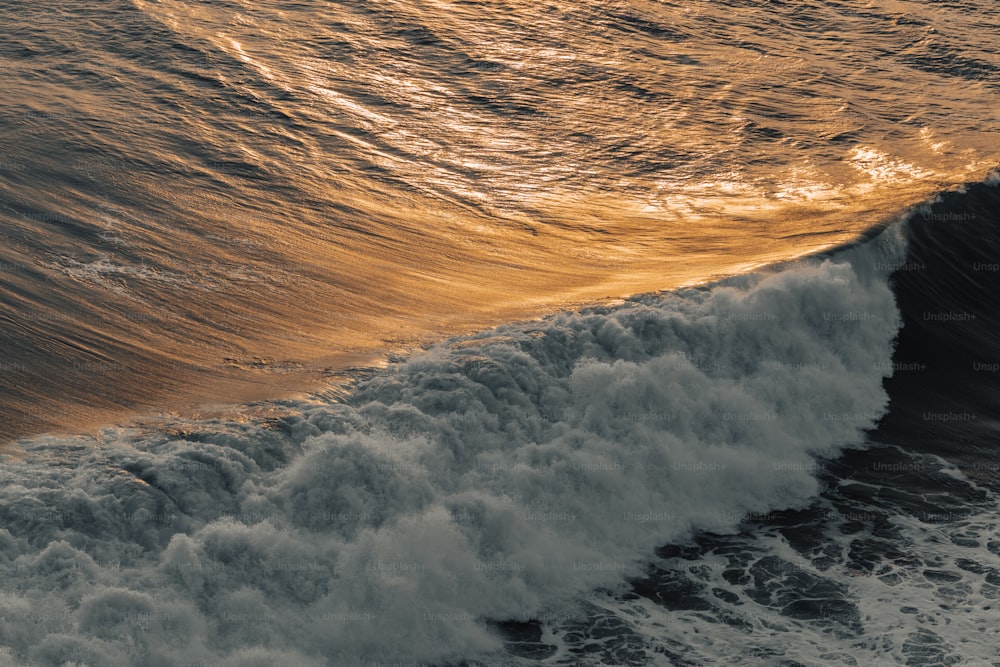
(489, 478)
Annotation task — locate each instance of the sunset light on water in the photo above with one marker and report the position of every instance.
(481, 333)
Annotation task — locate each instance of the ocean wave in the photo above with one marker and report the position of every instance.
(257, 181)
(494, 477)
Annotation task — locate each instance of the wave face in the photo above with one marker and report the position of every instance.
(499, 477)
(217, 202)
(945, 390)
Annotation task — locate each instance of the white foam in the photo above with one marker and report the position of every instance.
(942, 594)
(492, 479)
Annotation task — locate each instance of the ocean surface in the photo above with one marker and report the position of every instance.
(499, 333)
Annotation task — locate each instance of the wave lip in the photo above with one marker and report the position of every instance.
(494, 477)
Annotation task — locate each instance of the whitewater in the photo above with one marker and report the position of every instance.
(498, 476)
(499, 498)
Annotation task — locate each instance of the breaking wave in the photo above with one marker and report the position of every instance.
(495, 477)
